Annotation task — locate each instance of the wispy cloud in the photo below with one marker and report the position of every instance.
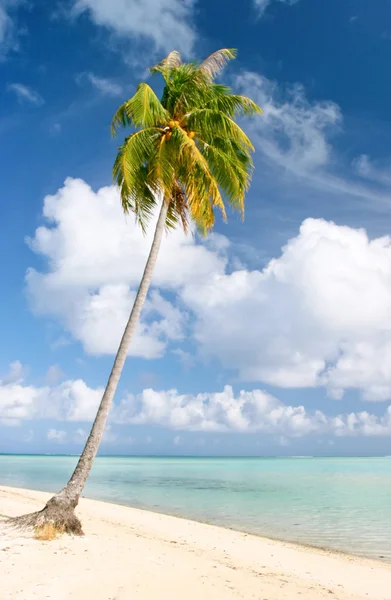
(262, 5)
(164, 22)
(297, 136)
(105, 86)
(8, 29)
(55, 435)
(25, 93)
(379, 174)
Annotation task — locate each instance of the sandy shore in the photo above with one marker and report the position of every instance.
(130, 554)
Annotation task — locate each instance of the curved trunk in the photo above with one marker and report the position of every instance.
(60, 509)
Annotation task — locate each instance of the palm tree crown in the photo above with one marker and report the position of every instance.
(186, 147)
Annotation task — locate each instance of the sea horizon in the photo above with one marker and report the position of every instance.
(211, 456)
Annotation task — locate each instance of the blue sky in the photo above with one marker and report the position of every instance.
(273, 336)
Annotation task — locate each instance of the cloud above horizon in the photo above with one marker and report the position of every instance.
(247, 411)
(318, 315)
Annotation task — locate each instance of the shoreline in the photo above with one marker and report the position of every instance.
(286, 542)
(147, 555)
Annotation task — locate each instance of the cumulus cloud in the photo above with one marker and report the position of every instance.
(320, 314)
(25, 93)
(69, 401)
(317, 315)
(159, 21)
(96, 259)
(247, 411)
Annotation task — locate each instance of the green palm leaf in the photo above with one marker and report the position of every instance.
(188, 149)
(144, 109)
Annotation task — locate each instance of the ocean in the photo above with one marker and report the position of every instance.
(337, 503)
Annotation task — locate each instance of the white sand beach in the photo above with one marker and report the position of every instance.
(131, 554)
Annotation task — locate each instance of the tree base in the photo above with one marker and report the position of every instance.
(58, 514)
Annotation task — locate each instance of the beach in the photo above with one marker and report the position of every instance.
(128, 553)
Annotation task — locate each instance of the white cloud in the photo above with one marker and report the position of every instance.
(367, 170)
(293, 132)
(319, 315)
(25, 93)
(96, 258)
(262, 5)
(68, 401)
(296, 135)
(56, 435)
(163, 22)
(253, 411)
(247, 411)
(107, 87)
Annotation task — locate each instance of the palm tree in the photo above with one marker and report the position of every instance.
(185, 155)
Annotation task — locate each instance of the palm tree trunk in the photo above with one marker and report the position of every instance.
(60, 509)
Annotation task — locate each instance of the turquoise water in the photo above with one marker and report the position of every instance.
(342, 504)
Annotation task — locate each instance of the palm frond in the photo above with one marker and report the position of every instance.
(216, 62)
(144, 109)
(230, 104)
(209, 123)
(172, 61)
(185, 88)
(195, 176)
(131, 172)
(232, 173)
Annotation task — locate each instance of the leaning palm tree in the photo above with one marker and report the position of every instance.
(185, 156)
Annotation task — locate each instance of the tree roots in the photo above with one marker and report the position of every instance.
(56, 518)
